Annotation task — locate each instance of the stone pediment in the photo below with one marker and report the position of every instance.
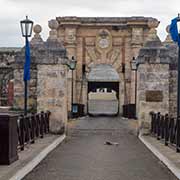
(120, 22)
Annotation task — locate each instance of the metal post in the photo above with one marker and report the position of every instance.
(72, 95)
(25, 84)
(135, 92)
(178, 104)
(25, 97)
(178, 93)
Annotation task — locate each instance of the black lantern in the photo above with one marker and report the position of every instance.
(26, 27)
(133, 64)
(178, 83)
(72, 64)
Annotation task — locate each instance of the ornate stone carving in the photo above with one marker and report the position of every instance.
(137, 36)
(92, 54)
(90, 41)
(152, 35)
(153, 23)
(103, 41)
(70, 36)
(53, 25)
(114, 56)
(168, 38)
(37, 28)
(37, 37)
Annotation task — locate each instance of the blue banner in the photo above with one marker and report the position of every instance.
(27, 61)
(174, 31)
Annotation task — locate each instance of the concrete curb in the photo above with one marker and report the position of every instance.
(32, 164)
(170, 165)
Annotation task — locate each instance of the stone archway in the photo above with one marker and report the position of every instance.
(103, 90)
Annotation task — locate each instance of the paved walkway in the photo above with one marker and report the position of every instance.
(83, 156)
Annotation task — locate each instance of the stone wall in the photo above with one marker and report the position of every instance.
(152, 82)
(52, 94)
(153, 78)
(6, 75)
(173, 55)
(47, 86)
(19, 88)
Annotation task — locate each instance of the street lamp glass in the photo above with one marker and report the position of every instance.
(26, 27)
(72, 63)
(133, 64)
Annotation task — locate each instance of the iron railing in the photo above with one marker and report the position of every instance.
(164, 128)
(31, 127)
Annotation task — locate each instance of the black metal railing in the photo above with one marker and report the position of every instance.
(31, 127)
(164, 128)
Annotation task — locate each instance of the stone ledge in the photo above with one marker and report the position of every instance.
(91, 20)
(164, 153)
(30, 157)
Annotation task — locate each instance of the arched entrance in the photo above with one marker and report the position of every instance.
(103, 90)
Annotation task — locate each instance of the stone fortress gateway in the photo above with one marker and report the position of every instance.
(108, 44)
(103, 80)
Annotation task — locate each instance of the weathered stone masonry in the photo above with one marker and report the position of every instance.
(157, 80)
(50, 84)
(47, 87)
(82, 37)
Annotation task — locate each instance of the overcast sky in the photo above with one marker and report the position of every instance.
(40, 11)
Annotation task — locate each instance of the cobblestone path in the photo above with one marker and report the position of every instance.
(83, 155)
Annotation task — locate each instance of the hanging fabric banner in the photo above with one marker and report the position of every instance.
(27, 61)
(174, 31)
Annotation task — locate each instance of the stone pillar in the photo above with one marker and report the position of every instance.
(136, 44)
(52, 94)
(153, 82)
(173, 54)
(70, 41)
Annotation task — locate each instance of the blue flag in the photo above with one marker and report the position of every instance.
(174, 31)
(27, 61)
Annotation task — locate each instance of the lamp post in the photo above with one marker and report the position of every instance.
(72, 66)
(175, 35)
(26, 30)
(178, 94)
(134, 66)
